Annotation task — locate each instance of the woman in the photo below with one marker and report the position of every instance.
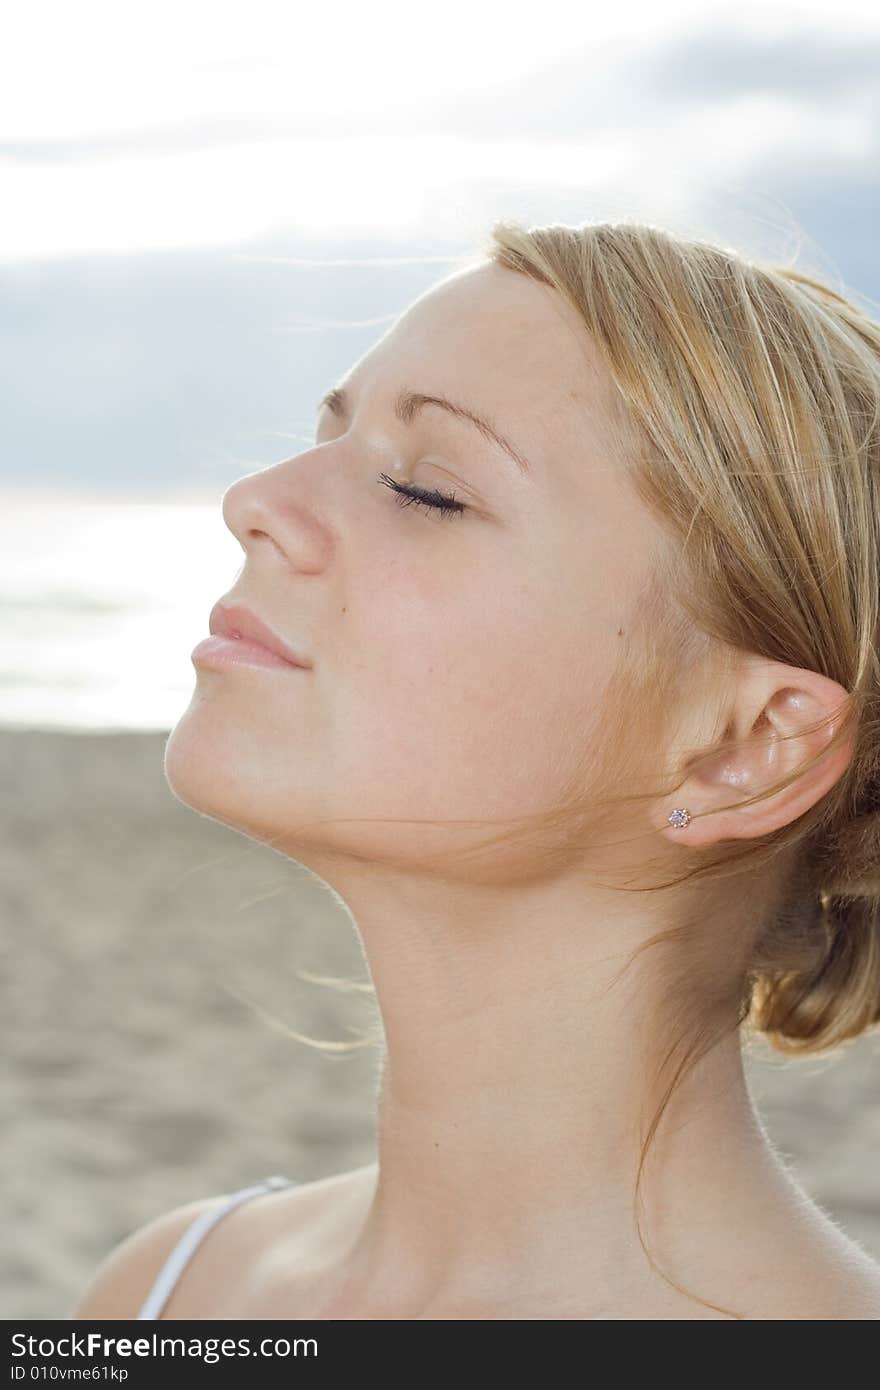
(583, 575)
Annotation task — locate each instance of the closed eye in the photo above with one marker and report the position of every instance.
(407, 494)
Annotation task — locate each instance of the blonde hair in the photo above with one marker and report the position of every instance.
(749, 423)
(754, 390)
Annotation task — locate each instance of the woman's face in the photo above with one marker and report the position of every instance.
(458, 658)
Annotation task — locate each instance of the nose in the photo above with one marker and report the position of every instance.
(271, 508)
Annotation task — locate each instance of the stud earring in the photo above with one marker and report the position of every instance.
(679, 819)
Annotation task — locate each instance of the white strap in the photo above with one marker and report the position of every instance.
(171, 1270)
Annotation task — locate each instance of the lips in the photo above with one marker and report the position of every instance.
(231, 618)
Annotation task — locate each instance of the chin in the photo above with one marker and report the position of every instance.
(210, 772)
(200, 768)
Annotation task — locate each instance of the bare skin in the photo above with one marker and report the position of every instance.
(458, 667)
(279, 1258)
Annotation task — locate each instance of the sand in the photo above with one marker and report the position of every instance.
(150, 968)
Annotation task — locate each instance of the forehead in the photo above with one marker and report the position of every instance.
(508, 346)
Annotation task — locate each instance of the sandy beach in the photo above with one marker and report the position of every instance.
(151, 961)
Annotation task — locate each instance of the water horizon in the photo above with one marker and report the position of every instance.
(98, 619)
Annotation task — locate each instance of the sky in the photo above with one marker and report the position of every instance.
(209, 210)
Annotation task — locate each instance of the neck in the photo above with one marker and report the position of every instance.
(513, 1105)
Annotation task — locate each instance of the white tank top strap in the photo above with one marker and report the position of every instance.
(192, 1237)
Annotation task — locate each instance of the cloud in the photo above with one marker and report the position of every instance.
(826, 212)
(596, 89)
(817, 67)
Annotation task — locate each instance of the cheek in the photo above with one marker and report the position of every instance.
(516, 712)
(465, 707)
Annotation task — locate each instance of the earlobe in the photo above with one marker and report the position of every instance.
(782, 719)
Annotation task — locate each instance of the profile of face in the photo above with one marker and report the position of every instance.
(458, 656)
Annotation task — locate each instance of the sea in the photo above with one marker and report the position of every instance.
(102, 600)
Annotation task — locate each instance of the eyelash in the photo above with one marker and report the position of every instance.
(407, 494)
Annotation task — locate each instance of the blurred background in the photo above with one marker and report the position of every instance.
(208, 212)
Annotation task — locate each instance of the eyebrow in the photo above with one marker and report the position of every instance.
(409, 403)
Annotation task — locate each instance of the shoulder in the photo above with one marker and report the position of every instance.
(287, 1228)
(841, 1298)
(850, 1282)
(853, 1292)
(125, 1276)
(280, 1250)
(835, 1280)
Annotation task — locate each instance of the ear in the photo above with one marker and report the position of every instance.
(768, 701)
